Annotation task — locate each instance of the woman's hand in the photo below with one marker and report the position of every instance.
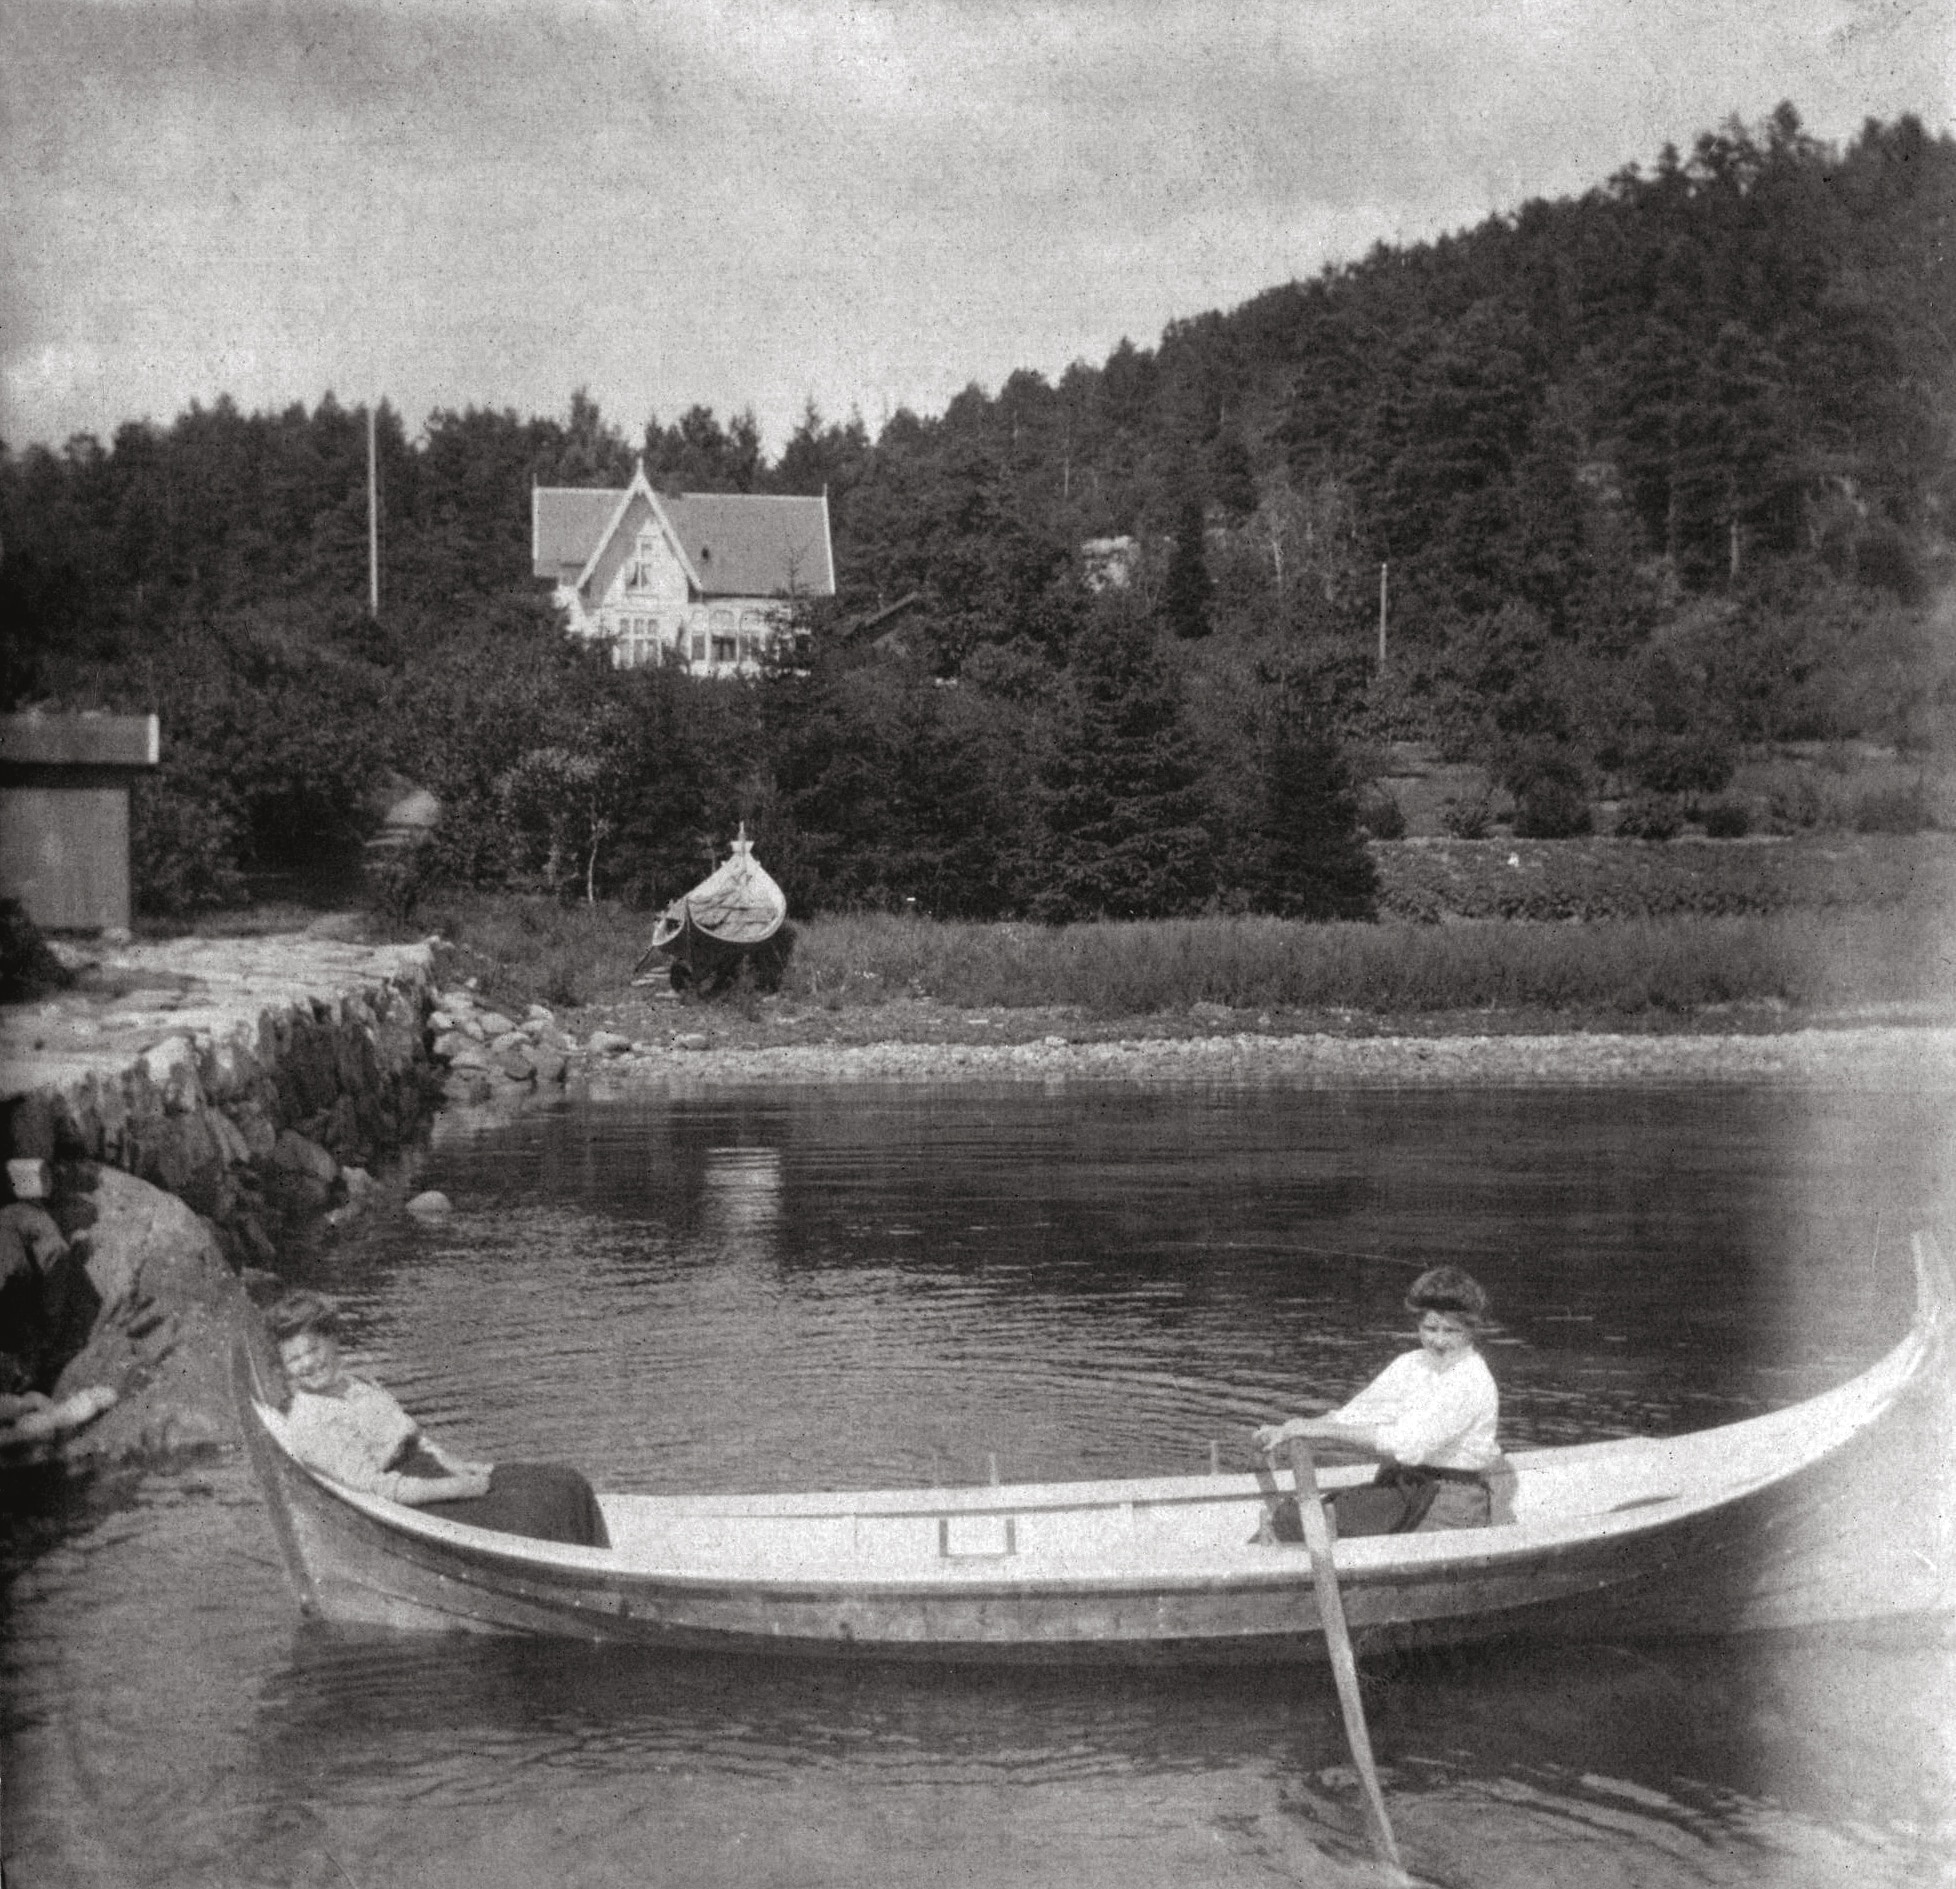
(456, 1465)
(457, 1486)
(1269, 1435)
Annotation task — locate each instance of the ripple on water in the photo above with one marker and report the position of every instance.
(857, 1287)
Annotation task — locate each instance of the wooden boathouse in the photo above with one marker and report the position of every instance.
(64, 815)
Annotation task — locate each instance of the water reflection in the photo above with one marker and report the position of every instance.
(743, 1200)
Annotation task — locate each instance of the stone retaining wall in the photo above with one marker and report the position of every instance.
(253, 1081)
(241, 1075)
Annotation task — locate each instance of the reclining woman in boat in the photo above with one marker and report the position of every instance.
(1429, 1417)
(353, 1431)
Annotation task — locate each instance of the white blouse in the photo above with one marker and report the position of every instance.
(1441, 1415)
(352, 1435)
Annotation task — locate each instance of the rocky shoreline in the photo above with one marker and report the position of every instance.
(1856, 1055)
(188, 1103)
(166, 1121)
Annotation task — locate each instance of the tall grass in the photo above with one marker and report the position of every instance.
(525, 950)
(1273, 964)
(530, 950)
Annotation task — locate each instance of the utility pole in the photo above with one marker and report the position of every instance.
(1382, 615)
(373, 521)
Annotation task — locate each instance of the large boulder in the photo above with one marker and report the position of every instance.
(168, 1307)
(46, 1303)
(302, 1174)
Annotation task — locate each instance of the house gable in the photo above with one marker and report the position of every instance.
(640, 553)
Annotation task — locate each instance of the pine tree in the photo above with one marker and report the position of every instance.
(1232, 474)
(1187, 591)
(1310, 859)
(1123, 811)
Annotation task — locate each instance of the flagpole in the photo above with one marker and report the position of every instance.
(373, 521)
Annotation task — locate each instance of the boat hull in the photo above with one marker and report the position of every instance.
(696, 957)
(1709, 1580)
(1160, 1571)
(736, 915)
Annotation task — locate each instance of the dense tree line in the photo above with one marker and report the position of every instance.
(1652, 473)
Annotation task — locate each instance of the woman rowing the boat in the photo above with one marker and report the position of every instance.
(1429, 1417)
(352, 1430)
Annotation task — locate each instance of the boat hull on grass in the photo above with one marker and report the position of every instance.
(737, 916)
(1748, 1526)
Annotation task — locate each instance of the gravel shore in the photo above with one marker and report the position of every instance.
(1911, 1056)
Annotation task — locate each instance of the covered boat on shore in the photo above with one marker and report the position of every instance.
(736, 915)
(1724, 1530)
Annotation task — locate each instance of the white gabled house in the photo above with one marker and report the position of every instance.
(709, 577)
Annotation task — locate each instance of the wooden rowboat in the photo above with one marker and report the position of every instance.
(1720, 1531)
(735, 914)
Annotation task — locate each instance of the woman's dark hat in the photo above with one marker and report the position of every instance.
(1448, 1289)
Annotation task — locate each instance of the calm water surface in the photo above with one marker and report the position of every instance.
(865, 1285)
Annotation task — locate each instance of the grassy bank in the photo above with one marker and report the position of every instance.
(1264, 965)
(1850, 924)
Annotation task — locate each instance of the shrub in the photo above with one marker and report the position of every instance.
(1883, 560)
(184, 851)
(1794, 805)
(1380, 815)
(396, 877)
(1727, 820)
(1683, 764)
(27, 967)
(1468, 819)
(1551, 807)
(1605, 879)
(1650, 817)
(1901, 809)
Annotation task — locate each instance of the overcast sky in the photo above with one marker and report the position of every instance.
(752, 202)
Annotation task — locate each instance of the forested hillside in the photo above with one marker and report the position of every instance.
(1657, 475)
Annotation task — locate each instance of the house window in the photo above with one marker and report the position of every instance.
(699, 645)
(724, 649)
(641, 644)
(753, 635)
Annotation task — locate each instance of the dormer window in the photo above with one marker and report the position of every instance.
(639, 574)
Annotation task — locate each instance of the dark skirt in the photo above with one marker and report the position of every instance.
(1404, 1498)
(545, 1501)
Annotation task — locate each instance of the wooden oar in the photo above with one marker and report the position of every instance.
(1344, 1664)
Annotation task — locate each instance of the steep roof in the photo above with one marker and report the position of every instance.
(741, 544)
(745, 545)
(565, 525)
